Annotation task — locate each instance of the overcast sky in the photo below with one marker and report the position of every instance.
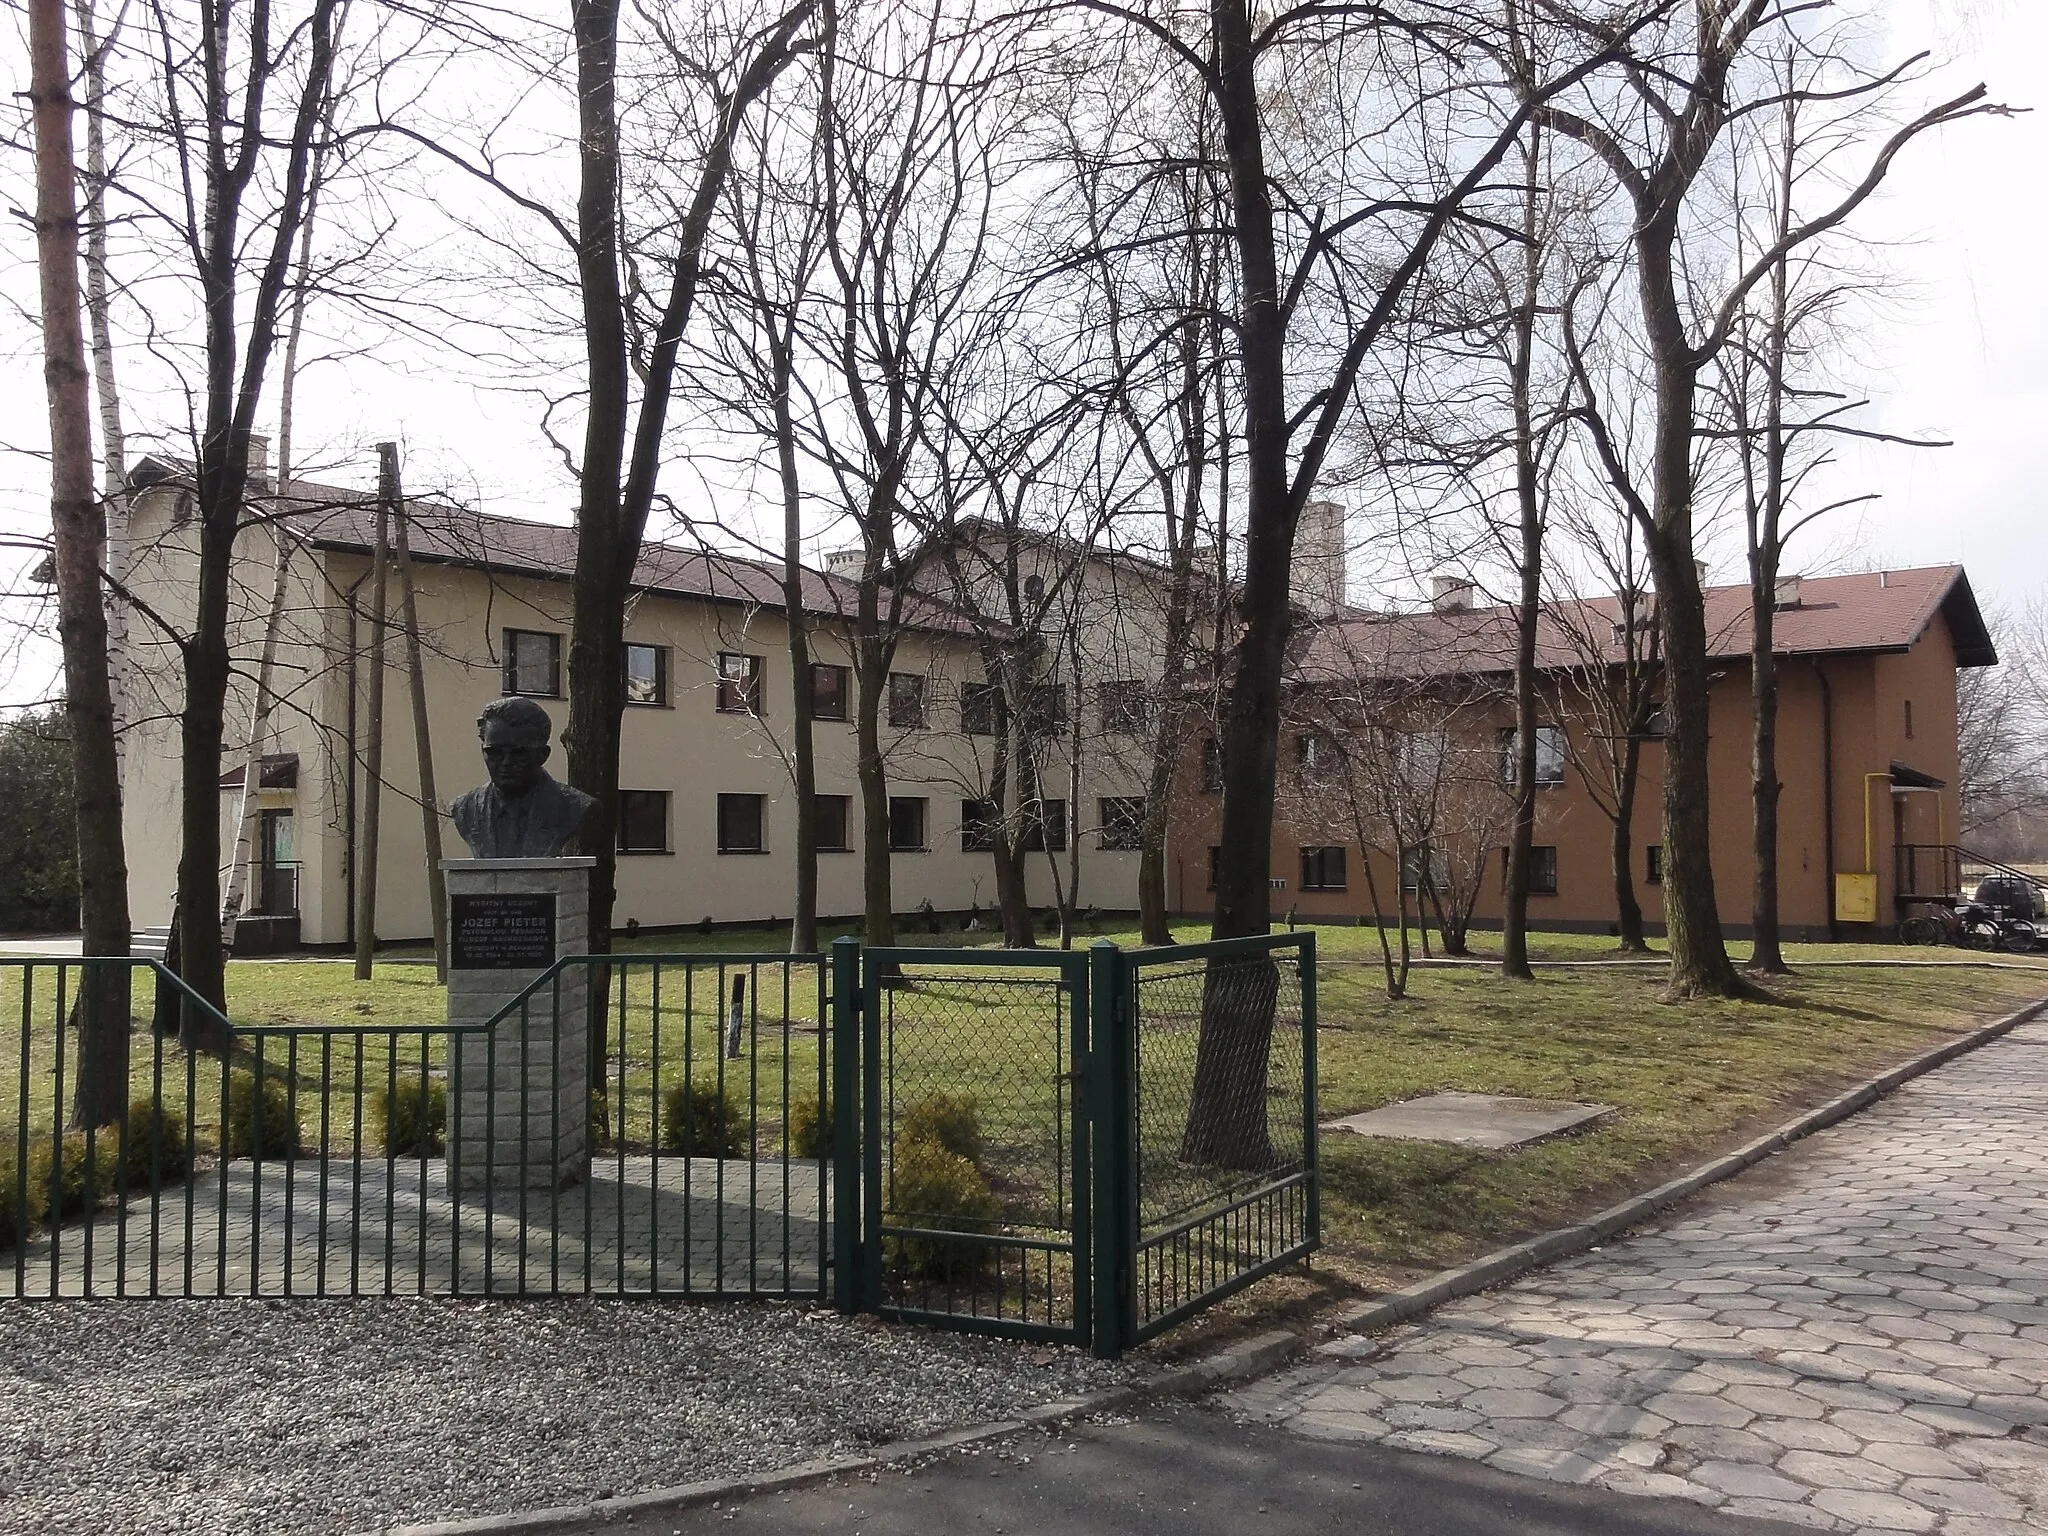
(1963, 356)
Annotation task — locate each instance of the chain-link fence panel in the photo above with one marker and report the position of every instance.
(1223, 1096)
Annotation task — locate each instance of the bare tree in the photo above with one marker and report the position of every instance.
(622, 348)
(79, 542)
(1654, 127)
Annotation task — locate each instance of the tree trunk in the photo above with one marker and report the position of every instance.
(237, 359)
(1227, 1112)
(1628, 910)
(100, 1089)
(1514, 925)
(240, 855)
(803, 927)
(120, 559)
(1700, 966)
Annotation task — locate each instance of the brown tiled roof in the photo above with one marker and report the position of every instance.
(1866, 612)
(441, 533)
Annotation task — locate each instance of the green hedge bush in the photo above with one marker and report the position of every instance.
(934, 1188)
(404, 1127)
(279, 1129)
(699, 1120)
(155, 1152)
(18, 1197)
(810, 1125)
(948, 1120)
(85, 1175)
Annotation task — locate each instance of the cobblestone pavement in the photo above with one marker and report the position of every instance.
(1851, 1337)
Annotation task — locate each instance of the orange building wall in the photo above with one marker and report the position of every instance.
(1869, 735)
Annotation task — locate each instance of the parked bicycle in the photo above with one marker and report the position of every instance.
(1971, 925)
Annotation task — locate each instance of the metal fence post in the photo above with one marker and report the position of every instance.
(1308, 1086)
(846, 1148)
(1110, 1108)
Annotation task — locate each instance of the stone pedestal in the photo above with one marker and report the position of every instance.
(518, 1093)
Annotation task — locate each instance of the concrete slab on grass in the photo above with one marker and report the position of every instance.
(1473, 1119)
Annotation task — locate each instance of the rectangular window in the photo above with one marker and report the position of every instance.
(906, 700)
(906, 824)
(979, 706)
(647, 674)
(1047, 831)
(1123, 823)
(1316, 753)
(977, 826)
(1549, 754)
(739, 683)
(1212, 765)
(643, 820)
(1215, 855)
(828, 691)
(834, 811)
(1125, 707)
(533, 663)
(1909, 719)
(741, 820)
(1542, 870)
(1045, 712)
(1653, 864)
(1322, 869)
(1415, 860)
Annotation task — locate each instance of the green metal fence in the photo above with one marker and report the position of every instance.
(324, 1160)
(1085, 1146)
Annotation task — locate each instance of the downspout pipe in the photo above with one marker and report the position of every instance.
(1827, 794)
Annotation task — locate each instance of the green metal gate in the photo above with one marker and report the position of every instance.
(1026, 1140)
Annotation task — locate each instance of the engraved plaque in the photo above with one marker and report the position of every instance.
(509, 932)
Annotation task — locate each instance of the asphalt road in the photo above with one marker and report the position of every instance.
(1189, 1470)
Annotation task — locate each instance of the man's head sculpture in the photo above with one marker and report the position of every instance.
(523, 813)
(515, 734)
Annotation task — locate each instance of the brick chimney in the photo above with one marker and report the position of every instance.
(1318, 582)
(1452, 594)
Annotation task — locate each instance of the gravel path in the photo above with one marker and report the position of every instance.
(277, 1417)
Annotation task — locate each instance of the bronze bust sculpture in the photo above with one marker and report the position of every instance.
(524, 812)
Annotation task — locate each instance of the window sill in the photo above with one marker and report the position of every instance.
(649, 704)
(642, 853)
(517, 693)
(743, 852)
(909, 850)
(1323, 890)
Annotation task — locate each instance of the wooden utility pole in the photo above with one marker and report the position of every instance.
(423, 741)
(373, 747)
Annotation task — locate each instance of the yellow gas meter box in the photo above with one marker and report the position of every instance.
(1856, 898)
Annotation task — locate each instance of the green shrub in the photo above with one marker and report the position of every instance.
(85, 1175)
(699, 1120)
(936, 1189)
(17, 1198)
(155, 1152)
(279, 1129)
(406, 1127)
(810, 1125)
(948, 1120)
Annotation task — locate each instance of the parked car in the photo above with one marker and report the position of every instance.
(2012, 896)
